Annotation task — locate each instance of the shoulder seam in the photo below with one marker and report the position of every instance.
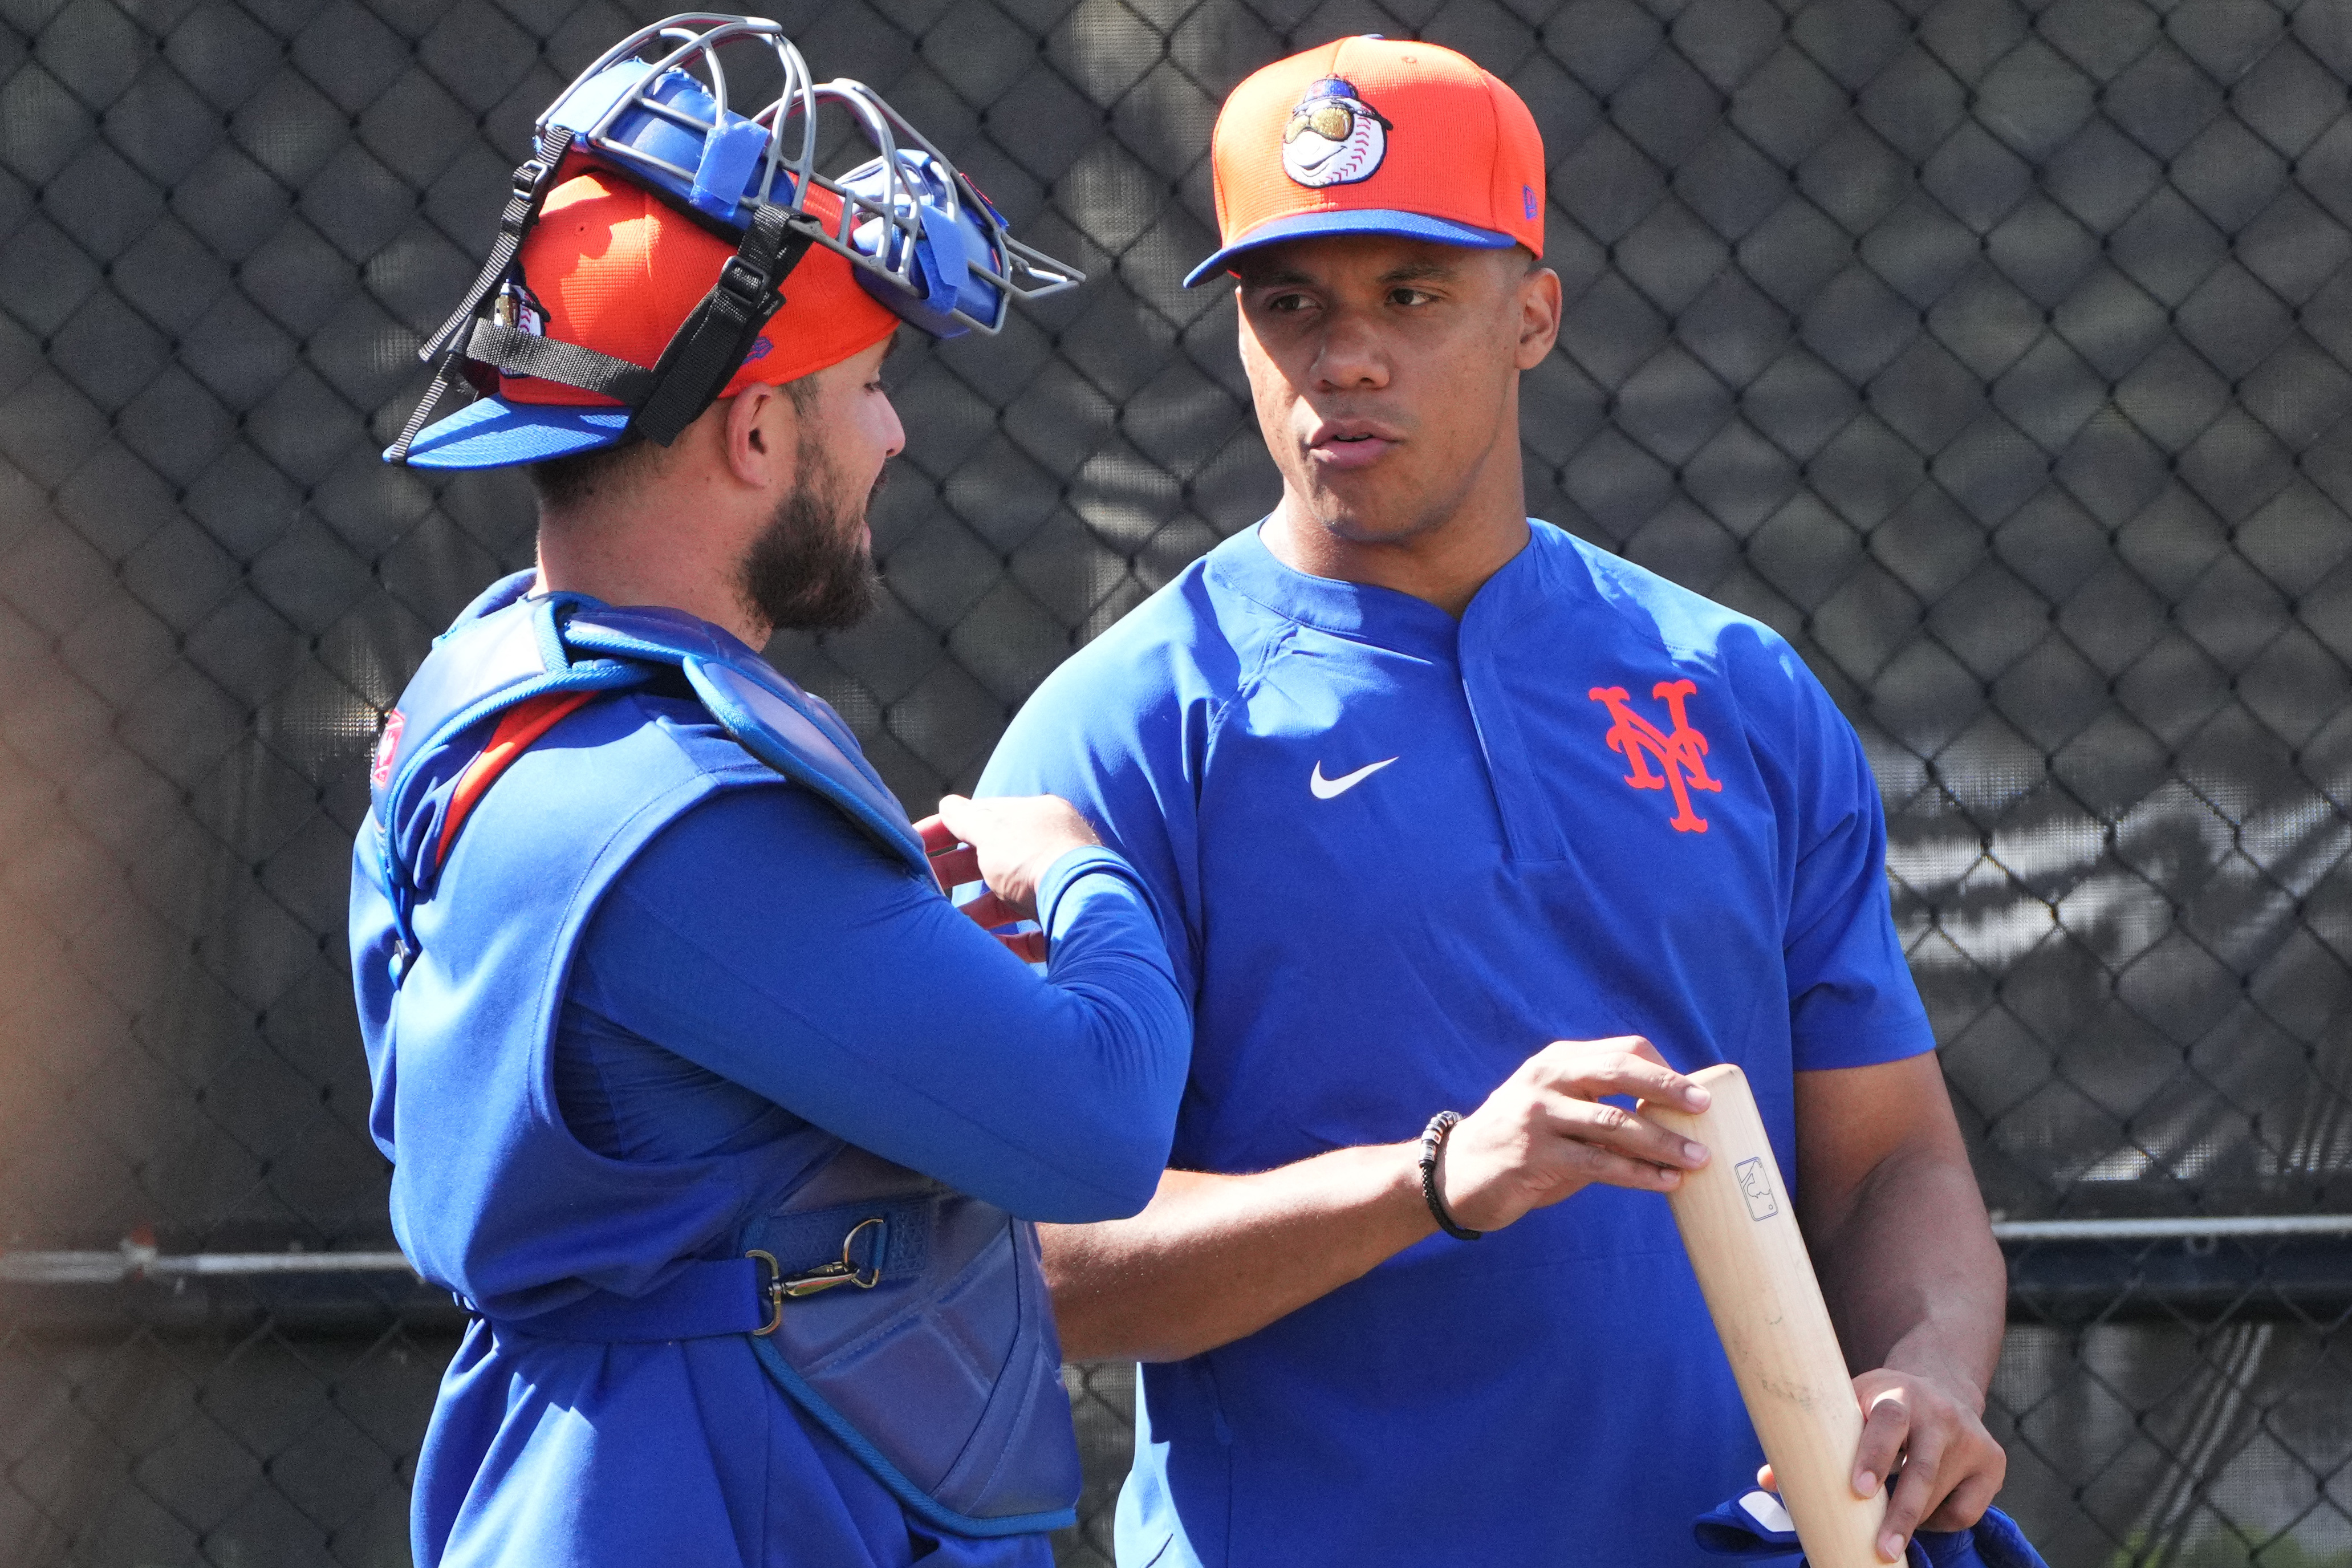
(1252, 678)
(1648, 633)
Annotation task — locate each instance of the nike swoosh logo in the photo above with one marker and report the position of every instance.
(1326, 789)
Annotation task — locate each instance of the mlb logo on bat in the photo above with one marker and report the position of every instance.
(1681, 752)
(1756, 1186)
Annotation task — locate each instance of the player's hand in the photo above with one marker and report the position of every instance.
(1545, 1132)
(1008, 844)
(1952, 1467)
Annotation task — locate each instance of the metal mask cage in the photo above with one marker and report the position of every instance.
(1015, 271)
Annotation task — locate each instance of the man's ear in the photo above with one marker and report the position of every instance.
(1539, 308)
(759, 431)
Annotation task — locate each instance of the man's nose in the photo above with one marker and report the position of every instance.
(1352, 355)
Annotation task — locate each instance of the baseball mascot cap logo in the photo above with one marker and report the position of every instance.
(641, 264)
(1334, 138)
(1380, 136)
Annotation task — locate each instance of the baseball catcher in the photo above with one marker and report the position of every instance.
(705, 1102)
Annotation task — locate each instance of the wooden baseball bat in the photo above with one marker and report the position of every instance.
(1740, 1230)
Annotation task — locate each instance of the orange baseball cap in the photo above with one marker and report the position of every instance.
(612, 267)
(1373, 135)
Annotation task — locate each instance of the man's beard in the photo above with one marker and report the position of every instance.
(810, 568)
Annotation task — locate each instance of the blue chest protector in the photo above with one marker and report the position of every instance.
(908, 1319)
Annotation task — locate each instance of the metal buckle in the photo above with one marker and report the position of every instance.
(783, 1287)
(774, 1290)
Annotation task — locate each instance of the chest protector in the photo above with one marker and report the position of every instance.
(908, 1319)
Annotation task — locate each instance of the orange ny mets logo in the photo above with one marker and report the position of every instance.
(1680, 752)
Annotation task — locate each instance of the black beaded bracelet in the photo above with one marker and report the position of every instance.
(1433, 1145)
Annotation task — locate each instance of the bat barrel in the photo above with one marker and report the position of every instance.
(1741, 1230)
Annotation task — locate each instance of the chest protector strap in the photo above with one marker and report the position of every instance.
(908, 1319)
(528, 664)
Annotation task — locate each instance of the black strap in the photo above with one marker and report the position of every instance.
(523, 201)
(551, 359)
(529, 192)
(710, 347)
(442, 377)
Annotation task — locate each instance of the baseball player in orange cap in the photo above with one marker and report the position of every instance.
(1466, 835)
(700, 1096)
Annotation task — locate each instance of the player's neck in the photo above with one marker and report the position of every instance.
(1445, 561)
(641, 556)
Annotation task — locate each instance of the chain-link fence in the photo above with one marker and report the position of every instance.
(1995, 352)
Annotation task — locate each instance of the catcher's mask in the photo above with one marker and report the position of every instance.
(916, 236)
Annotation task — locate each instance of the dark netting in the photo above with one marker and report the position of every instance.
(1996, 353)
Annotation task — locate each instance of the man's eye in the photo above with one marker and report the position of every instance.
(1287, 303)
(1407, 297)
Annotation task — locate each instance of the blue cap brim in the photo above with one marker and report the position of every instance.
(493, 433)
(1369, 220)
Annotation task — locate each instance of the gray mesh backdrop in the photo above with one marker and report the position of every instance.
(1994, 352)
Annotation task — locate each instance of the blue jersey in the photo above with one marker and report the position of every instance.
(1395, 856)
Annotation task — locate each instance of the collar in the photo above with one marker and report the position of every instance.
(1384, 617)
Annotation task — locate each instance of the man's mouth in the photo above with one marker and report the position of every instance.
(1349, 444)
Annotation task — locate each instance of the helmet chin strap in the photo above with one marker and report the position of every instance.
(706, 350)
(532, 179)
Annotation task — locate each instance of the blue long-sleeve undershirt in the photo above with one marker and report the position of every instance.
(759, 965)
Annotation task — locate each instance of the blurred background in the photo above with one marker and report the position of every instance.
(1996, 353)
